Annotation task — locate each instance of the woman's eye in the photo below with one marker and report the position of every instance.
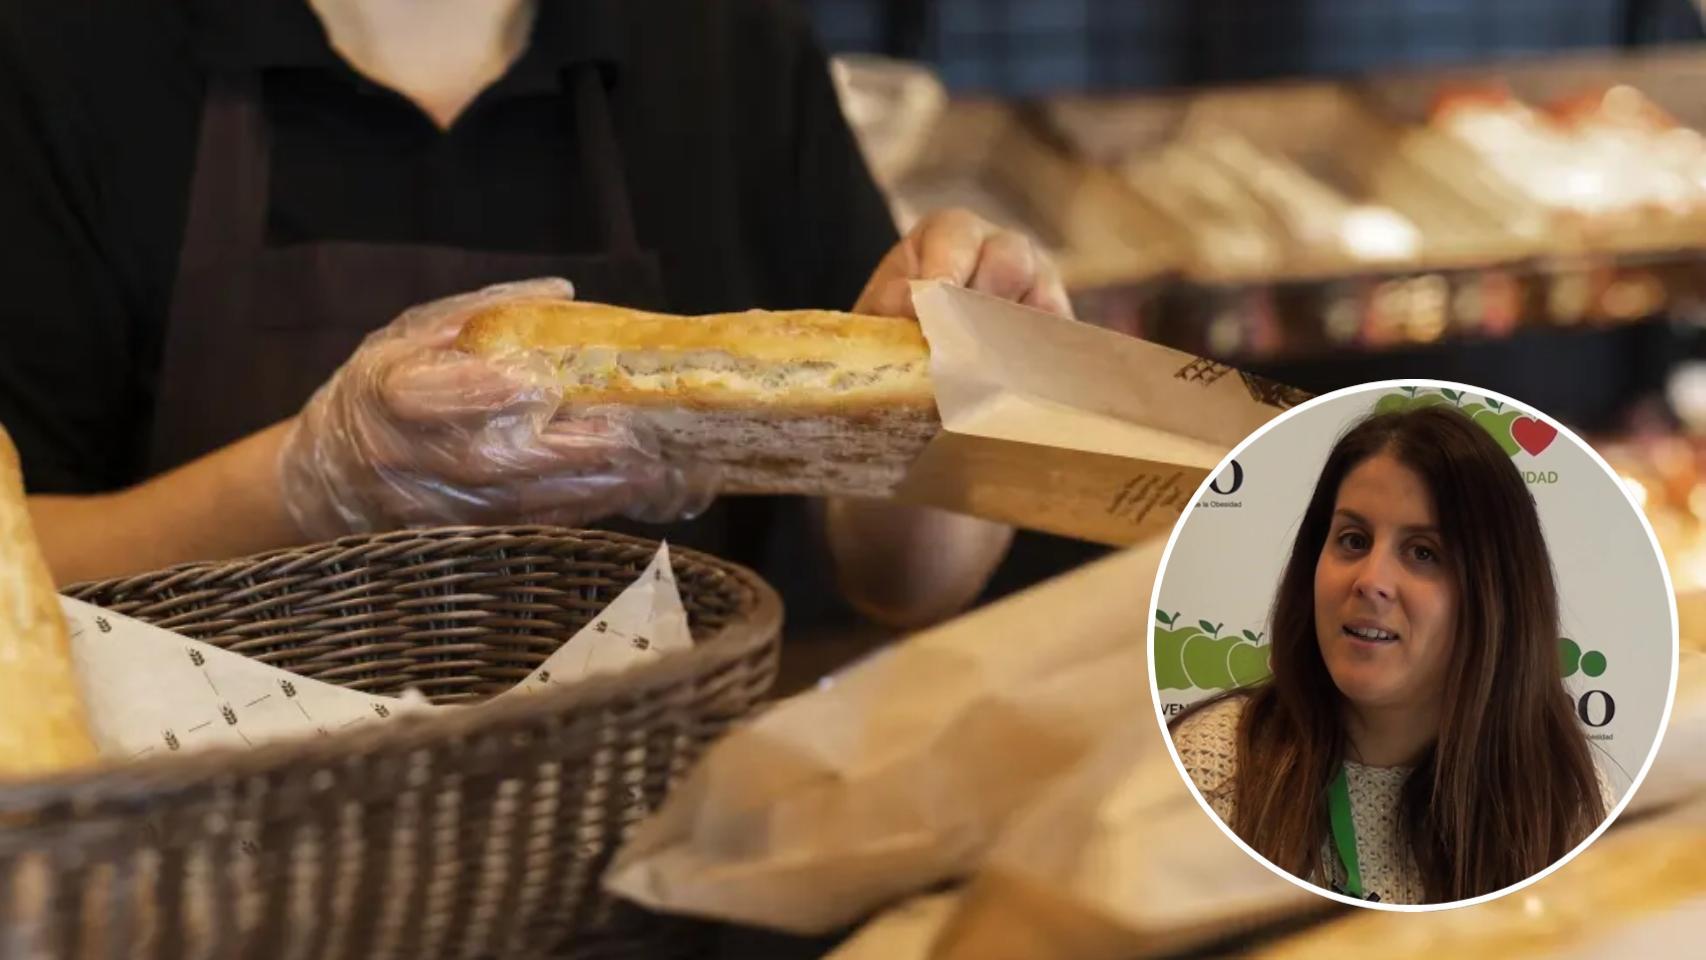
(1425, 553)
(1353, 540)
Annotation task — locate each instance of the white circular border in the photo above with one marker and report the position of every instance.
(1155, 600)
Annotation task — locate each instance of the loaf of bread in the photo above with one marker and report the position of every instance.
(43, 727)
(801, 401)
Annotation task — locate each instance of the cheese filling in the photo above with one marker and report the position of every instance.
(600, 367)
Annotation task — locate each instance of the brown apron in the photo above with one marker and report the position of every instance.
(253, 330)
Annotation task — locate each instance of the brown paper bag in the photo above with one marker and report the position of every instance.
(1116, 861)
(1067, 428)
(905, 932)
(1678, 773)
(896, 775)
(1119, 862)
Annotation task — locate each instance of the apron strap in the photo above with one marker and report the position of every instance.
(601, 159)
(228, 202)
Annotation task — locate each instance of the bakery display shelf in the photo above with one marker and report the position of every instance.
(1285, 182)
(987, 157)
(1326, 231)
(1320, 219)
(1398, 310)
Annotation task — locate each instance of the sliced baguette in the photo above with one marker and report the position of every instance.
(43, 727)
(804, 401)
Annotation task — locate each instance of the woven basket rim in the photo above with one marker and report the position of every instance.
(134, 782)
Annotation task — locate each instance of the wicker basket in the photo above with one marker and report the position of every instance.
(478, 833)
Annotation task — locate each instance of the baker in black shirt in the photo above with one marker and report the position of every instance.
(210, 206)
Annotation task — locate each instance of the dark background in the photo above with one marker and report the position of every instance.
(1023, 48)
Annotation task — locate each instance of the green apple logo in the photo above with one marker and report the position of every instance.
(1496, 419)
(1572, 659)
(1170, 652)
(1198, 657)
(1491, 415)
(1248, 661)
(1411, 398)
(1396, 402)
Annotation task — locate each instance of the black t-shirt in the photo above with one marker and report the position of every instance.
(743, 175)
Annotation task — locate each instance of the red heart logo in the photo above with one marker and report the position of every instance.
(1532, 435)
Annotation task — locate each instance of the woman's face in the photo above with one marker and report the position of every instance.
(1385, 600)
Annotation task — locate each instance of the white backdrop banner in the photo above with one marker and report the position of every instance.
(1212, 621)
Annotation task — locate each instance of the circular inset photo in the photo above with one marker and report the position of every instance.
(1414, 645)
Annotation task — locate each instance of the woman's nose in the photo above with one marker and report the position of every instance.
(1375, 578)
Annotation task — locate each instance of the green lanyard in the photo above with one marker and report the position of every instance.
(1344, 831)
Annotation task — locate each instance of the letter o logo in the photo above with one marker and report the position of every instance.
(1583, 711)
(1237, 481)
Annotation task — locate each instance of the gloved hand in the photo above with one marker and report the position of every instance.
(410, 432)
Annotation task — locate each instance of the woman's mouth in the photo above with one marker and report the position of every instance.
(1370, 633)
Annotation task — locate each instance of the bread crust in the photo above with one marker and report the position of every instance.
(799, 401)
(43, 726)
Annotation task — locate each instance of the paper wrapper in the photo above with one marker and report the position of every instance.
(1070, 429)
(1678, 772)
(907, 932)
(899, 773)
(1115, 861)
(151, 691)
(1118, 861)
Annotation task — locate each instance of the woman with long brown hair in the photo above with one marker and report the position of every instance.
(1415, 743)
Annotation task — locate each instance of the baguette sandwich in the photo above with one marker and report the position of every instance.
(801, 401)
(42, 724)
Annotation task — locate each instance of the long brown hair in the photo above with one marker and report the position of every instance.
(1509, 786)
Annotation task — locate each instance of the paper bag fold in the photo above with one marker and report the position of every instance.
(1115, 861)
(1067, 428)
(898, 774)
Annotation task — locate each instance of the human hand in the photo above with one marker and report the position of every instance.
(959, 247)
(410, 431)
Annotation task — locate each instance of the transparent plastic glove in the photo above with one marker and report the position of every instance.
(410, 431)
